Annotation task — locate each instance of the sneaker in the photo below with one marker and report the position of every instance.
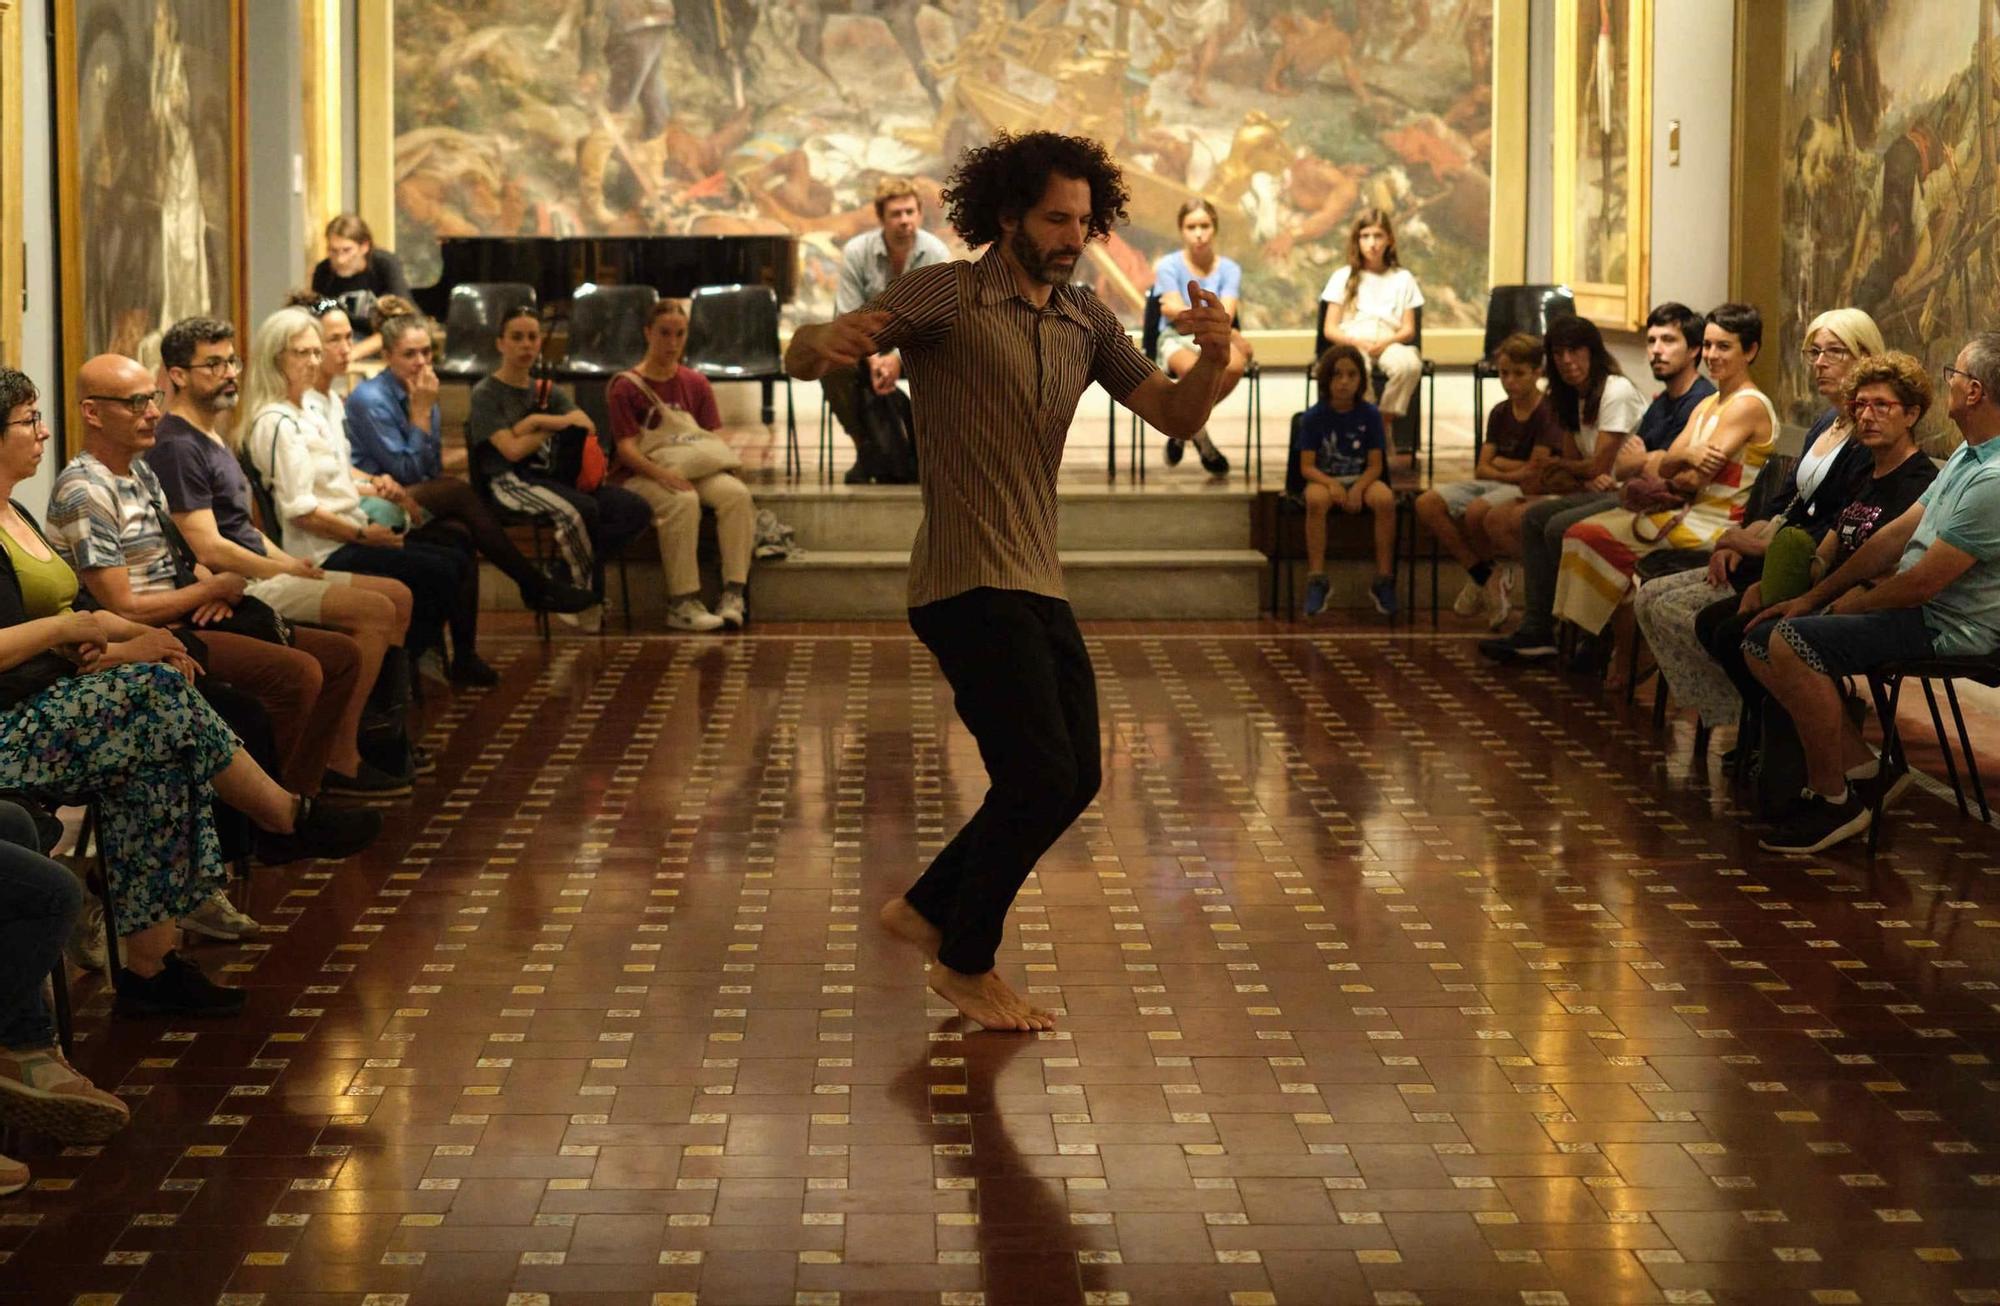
(1818, 823)
(366, 782)
(1316, 592)
(1382, 593)
(41, 1091)
(731, 609)
(217, 918)
(13, 1176)
(422, 761)
(1176, 450)
(1523, 645)
(180, 989)
(558, 596)
(1471, 599)
(689, 614)
(470, 671)
(324, 832)
(1212, 460)
(590, 621)
(431, 667)
(1888, 788)
(85, 948)
(1500, 597)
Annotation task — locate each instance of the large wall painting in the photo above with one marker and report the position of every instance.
(151, 155)
(727, 116)
(1892, 115)
(1603, 116)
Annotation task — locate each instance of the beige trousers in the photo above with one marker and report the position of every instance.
(677, 518)
(1401, 366)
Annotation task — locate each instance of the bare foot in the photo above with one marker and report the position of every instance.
(980, 998)
(908, 924)
(1037, 1017)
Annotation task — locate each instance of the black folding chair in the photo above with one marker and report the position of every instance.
(472, 326)
(1885, 685)
(607, 327)
(733, 336)
(1509, 309)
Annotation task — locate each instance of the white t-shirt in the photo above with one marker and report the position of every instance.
(1382, 296)
(306, 466)
(1619, 408)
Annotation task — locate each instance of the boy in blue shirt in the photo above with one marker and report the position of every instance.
(1344, 460)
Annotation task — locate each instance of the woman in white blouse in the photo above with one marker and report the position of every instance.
(1371, 303)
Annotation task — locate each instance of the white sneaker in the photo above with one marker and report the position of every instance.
(1500, 596)
(590, 621)
(218, 918)
(691, 615)
(731, 610)
(1471, 600)
(86, 941)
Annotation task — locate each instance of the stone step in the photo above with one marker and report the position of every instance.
(882, 518)
(1105, 584)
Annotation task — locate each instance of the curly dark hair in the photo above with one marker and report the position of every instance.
(1006, 178)
(177, 346)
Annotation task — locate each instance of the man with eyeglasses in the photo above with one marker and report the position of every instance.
(1925, 584)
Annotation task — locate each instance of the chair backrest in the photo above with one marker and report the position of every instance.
(1295, 480)
(1523, 308)
(1149, 329)
(1770, 480)
(607, 327)
(733, 333)
(472, 325)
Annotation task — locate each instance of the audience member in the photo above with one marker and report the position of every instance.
(1691, 619)
(358, 276)
(1704, 480)
(39, 1089)
(1925, 584)
(1673, 356)
(868, 264)
(1343, 456)
(659, 409)
(394, 432)
(1522, 436)
(1198, 261)
(1600, 411)
(1371, 303)
(516, 430)
(95, 708)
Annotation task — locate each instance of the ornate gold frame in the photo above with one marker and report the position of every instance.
(320, 91)
(13, 256)
(1616, 305)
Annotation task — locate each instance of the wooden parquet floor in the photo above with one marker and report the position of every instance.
(1384, 976)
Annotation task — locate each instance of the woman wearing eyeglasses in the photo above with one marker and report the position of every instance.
(96, 708)
(1687, 618)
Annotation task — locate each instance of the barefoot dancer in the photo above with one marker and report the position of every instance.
(997, 352)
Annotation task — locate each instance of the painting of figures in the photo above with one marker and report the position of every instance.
(615, 117)
(1603, 111)
(150, 157)
(1892, 115)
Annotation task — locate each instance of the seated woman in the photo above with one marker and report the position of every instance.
(1371, 303)
(357, 276)
(395, 434)
(659, 395)
(312, 485)
(1711, 464)
(1197, 260)
(95, 708)
(1677, 613)
(512, 433)
(1342, 454)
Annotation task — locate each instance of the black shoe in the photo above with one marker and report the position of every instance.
(1818, 823)
(471, 672)
(1176, 450)
(1592, 657)
(559, 596)
(1212, 460)
(856, 476)
(421, 761)
(180, 989)
(366, 782)
(1524, 645)
(323, 832)
(1882, 789)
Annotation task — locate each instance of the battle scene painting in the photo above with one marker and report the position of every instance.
(1892, 113)
(730, 117)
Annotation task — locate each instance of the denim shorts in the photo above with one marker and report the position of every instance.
(1846, 644)
(1458, 495)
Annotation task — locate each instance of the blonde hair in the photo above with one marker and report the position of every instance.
(1852, 328)
(263, 371)
(895, 188)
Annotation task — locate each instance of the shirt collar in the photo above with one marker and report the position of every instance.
(1981, 452)
(996, 283)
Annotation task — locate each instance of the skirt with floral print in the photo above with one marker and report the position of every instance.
(140, 743)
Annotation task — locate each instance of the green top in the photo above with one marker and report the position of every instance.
(48, 586)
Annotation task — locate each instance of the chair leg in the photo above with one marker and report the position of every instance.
(625, 589)
(1944, 746)
(1701, 735)
(1632, 670)
(795, 463)
(1885, 695)
(1965, 745)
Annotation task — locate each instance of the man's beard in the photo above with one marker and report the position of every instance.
(1041, 266)
(222, 400)
(1661, 370)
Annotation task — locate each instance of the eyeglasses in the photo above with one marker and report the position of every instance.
(1863, 407)
(1831, 353)
(218, 366)
(309, 351)
(133, 404)
(1950, 372)
(33, 421)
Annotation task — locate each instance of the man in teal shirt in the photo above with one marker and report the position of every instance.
(1925, 585)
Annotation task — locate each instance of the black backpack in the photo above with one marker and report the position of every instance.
(886, 451)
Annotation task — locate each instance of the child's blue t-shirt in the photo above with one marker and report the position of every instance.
(1172, 274)
(1339, 442)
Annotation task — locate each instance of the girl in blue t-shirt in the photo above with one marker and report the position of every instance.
(1343, 458)
(1197, 260)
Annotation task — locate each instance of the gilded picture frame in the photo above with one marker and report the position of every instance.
(1602, 247)
(12, 255)
(150, 184)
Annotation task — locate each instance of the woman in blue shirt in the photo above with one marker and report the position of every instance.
(1197, 260)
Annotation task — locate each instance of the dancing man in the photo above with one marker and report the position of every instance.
(997, 352)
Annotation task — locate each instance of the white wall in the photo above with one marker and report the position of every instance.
(275, 132)
(42, 322)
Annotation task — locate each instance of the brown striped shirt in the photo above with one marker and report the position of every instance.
(994, 382)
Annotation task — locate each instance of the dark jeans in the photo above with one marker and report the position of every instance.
(1542, 528)
(443, 577)
(843, 388)
(1720, 629)
(39, 902)
(1022, 683)
(453, 500)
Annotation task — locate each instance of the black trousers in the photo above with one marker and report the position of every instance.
(1720, 629)
(1022, 682)
(442, 572)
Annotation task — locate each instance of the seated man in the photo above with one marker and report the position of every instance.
(868, 264)
(1924, 585)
